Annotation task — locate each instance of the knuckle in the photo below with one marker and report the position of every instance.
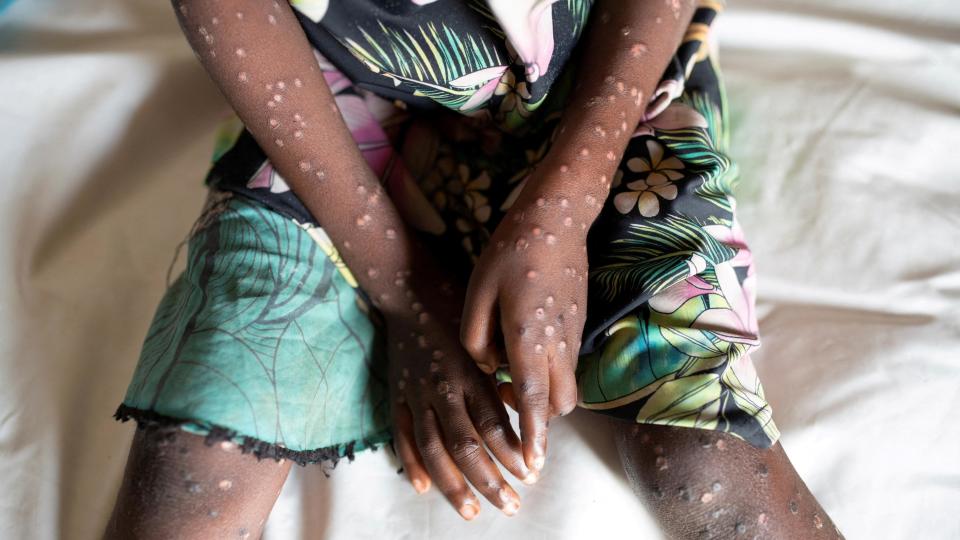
(465, 449)
(491, 427)
(534, 393)
(431, 448)
(470, 342)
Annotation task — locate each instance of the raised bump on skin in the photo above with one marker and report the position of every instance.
(531, 274)
(390, 234)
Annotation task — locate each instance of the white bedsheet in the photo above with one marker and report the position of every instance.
(846, 123)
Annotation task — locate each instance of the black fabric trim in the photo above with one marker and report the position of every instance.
(330, 455)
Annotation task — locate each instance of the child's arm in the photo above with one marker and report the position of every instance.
(258, 55)
(530, 283)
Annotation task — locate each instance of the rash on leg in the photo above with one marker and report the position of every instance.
(704, 484)
(177, 486)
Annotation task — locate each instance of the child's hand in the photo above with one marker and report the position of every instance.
(530, 283)
(445, 409)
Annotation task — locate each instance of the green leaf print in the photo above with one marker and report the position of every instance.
(692, 401)
(656, 254)
(433, 60)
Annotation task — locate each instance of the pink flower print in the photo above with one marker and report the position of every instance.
(676, 116)
(646, 193)
(529, 28)
(487, 79)
(267, 177)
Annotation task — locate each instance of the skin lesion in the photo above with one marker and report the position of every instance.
(703, 484)
(192, 489)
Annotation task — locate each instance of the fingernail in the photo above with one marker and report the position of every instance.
(508, 495)
(419, 485)
(511, 508)
(469, 511)
(538, 462)
(488, 368)
(531, 478)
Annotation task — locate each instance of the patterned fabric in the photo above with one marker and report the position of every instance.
(263, 338)
(671, 319)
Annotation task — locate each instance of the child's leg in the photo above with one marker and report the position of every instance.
(176, 486)
(707, 484)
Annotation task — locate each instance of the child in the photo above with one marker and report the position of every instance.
(404, 234)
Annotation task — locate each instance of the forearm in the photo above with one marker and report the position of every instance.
(626, 48)
(258, 55)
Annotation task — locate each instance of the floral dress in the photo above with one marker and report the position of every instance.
(266, 339)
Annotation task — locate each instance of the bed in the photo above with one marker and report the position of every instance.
(846, 117)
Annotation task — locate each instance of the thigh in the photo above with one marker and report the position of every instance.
(707, 484)
(178, 486)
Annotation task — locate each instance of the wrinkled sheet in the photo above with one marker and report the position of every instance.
(846, 120)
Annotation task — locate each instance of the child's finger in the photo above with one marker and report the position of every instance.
(531, 386)
(493, 424)
(563, 382)
(407, 449)
(466, 448)
(478, 324)
(507, 396)
(441, 466)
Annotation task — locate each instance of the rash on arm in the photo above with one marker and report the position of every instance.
(625, 50)
(259, 57)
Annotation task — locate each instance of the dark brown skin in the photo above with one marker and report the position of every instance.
(445, 408)
(705, 484)
(176, 486)
(529, 285)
